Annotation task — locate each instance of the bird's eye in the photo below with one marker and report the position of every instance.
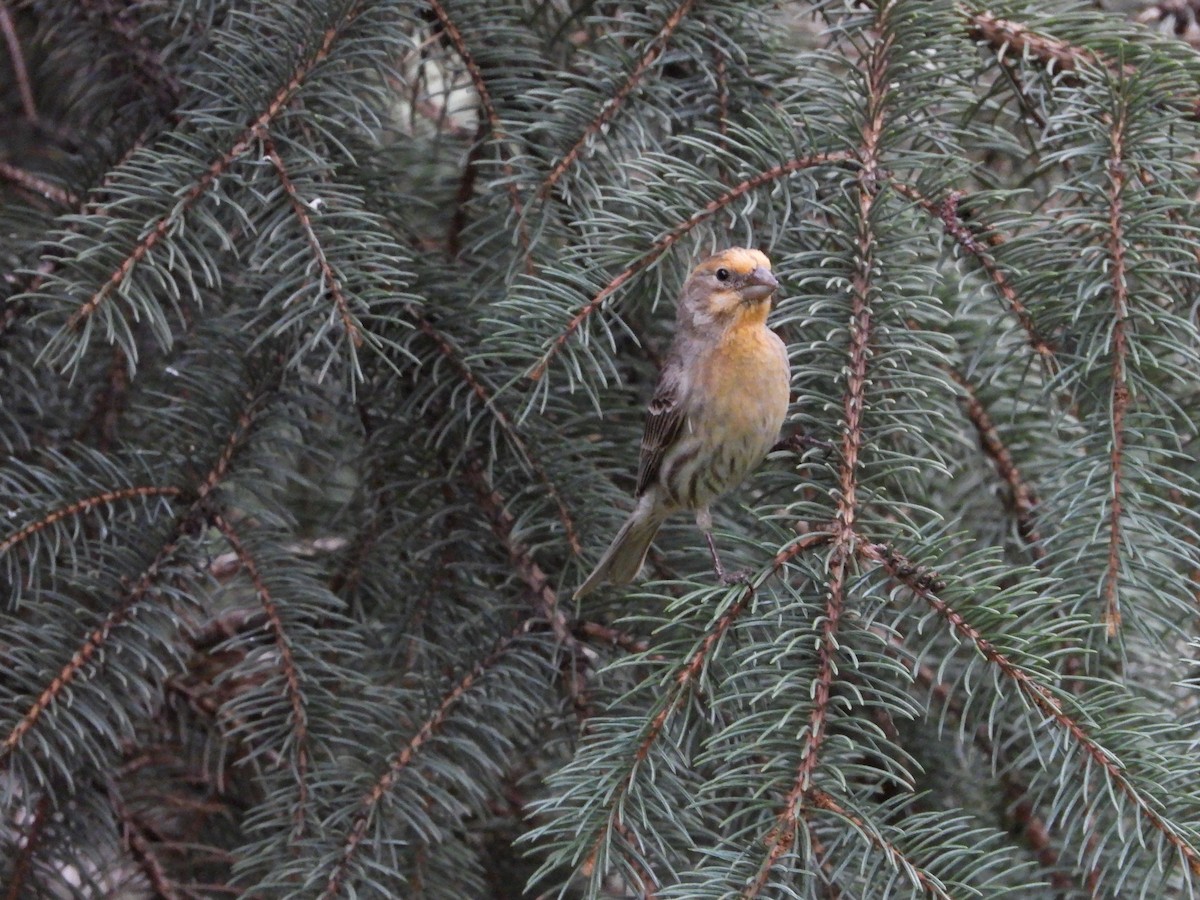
(722, 274)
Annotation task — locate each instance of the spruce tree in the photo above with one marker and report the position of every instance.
(328, 331)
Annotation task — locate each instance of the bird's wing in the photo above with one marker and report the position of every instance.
(663, 420)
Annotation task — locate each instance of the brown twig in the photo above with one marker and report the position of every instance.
(140, 590)
(821, 800)
(402, 758)
(688, 675)
(926, 584)
(162, 227)
(853, 406)
(953, 224)
(659, 247)
(489, 403)
(485, 100)
(1120, 353)
(36, 184)
(300, 208)
(1007, 34)
(462, 196)
(139, 847)
(613, 637)
(613, 104)
(287, 664)
(16, 57)
(1022, 498)
(79, 507)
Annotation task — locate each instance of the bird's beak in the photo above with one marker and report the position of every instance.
(759, 286)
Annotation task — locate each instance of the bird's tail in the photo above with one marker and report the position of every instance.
(624, 557)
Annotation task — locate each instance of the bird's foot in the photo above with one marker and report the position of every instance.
(741, 576)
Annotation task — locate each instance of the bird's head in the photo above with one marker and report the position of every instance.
(730, 288)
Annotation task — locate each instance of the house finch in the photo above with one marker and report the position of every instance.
(720, 402)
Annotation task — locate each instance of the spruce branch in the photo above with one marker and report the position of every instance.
(143, 588)
(140, 846)
(493, 503)
(1034, 828)
(21, 283)
(1053, 52)
(947, 211)
(499, 133)
(491, 405)
(819, 799)
(287, 664)
(686, 677)
(1005, 34)
(875, 70)
(151, 69)
(668, 240)
(925, 584)
(140, 591)
(612, 106)
(79, 507)
(1022, 499)
(240, 146)
(328, 276)
(401, 759)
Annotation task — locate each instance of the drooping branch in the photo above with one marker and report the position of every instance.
(485, 100)
(688, 675)
(1020, 810)
(139, 846)
(664, 243)
(400, 761)
(1021, 496)
(95, 639)
(490, 406)
(328, 276)
(141, 589)
(494, 506)
(287, 664)
(241, 145)
(613, 104)
(819, 799)
(947, 211)
(926, 584)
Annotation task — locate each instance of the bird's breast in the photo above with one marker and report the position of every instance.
(747, 384)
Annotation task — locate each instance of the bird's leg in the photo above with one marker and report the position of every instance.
(704, 522)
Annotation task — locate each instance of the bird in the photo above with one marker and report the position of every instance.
(716, 412)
